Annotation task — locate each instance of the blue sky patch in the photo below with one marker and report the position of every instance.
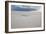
(24, 8)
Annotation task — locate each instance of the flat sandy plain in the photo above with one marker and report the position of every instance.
(25, 20)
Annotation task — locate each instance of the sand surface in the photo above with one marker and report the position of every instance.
(26, 20)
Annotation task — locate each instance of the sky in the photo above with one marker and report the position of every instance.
(24, 8)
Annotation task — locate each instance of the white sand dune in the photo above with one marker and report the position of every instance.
(26, 20)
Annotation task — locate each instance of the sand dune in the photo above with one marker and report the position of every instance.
(26, 20)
